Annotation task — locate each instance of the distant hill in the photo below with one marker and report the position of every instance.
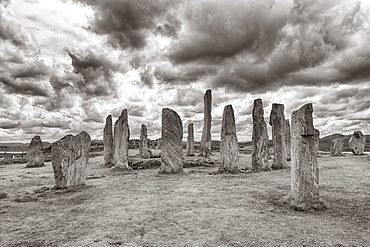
(18, 146)
(325, 142)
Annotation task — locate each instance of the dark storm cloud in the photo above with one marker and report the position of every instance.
(127, 23)
(184, 74)
(34, 69)
(29, 87)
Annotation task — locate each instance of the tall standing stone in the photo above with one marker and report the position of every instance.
(357, 142)
(35, 156)
(260, 149)
(206, 141)
(287, 140)
(121, 142)
(190, 140)
(229, 150)
(304, 167)
(143, 145)
(277, 122)
(171, 142)
(108, 141)
(70, 156)
(336, 147)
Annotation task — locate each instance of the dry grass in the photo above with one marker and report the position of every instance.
(143, 208)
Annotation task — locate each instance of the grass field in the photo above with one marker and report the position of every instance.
(143, 208)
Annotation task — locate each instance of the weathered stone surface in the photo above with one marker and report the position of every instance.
(304, 167)
(287, 140)
(143, 145)
(229, 150)
(190, 140)
(121, 145)
(108, 141)
(260, 149)
(357, 142)
(206, 141)
(277, 122)
(336, 147)
(171, 142)
(70, 156)
(35, 156)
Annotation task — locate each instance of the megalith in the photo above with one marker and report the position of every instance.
(143, 145)
(229, 150)
(277, 122)
(287, 140)
(190, 140)
(260, 149)
(304, 166)
(121, 142)
(70, 156)
(206, 142)
(35, 156)
(171, 142)
(357, 142)
(336, 147)
(108, 141)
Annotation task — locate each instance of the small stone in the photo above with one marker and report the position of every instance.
(336, 147)
(190, 140)
(35, 156)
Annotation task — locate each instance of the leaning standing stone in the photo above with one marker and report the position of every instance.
(287, 140)
(205, 143)
(304, 167)
(108, 141)
(143, 145)
(35, 156)
(260, 149)
(121, 138)
(190, 140)
(171, 142)
(229, 151)
(336, 147)
(277, 122)
(70, 156)
(357, 142)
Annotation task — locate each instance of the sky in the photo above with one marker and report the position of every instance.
(65, 65)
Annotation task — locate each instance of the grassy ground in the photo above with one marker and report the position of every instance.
(143, 208)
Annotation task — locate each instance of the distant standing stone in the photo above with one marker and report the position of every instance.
(305, 147)
(205, 143)
(190, 140)
(287, 140)
(108, 141)
(277, 122)
(143, 145)
(121, 142)
(260, 149)
(336, 147)
(70, 156)
(171, 142)
(229, 151)
(35, 156)
(357, 142)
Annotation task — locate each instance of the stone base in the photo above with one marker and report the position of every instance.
(121, 168)
(34, 166)
(303, 206)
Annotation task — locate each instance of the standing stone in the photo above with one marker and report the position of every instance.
(287, 140)
(70, 156)
(121, 144)
(143, 145)
(35, 156)
(277, 121)
(206, 134)
(108, 141)
(260, 149)
(190, 140)
(336, 147)
(229, 150)
(357, 142)
(304, 167)
(171, 142)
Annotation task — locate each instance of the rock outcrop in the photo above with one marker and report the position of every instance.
(260, 149)
(336, 147)
(205, 143)
(143, 145)
(70, 156)
(171, 142)
(229, 150)
(277, 122)
(121, 145)
(35, 156)
(108, 141)
(190, 140)
(357, 142)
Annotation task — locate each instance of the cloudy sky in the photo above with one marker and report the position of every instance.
(66, 64)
